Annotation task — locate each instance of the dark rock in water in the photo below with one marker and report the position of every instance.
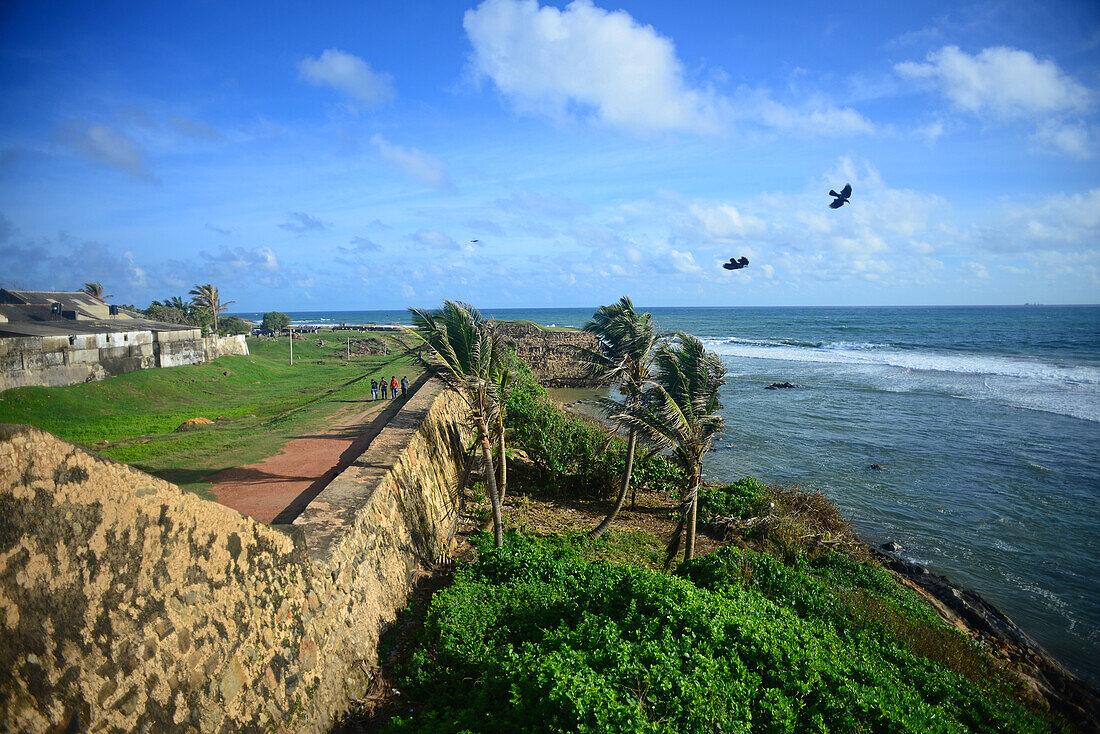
(893, 546)
(877, 467)
(780, 386)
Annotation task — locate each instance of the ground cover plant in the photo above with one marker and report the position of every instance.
(533, 637)
(256, 404)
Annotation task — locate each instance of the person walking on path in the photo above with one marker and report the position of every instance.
(404, 387)
(393, 387)
(382, 387)
(374, 389)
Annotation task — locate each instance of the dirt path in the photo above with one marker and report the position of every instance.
(278, 488)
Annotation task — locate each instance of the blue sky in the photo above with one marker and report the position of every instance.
(346, 156)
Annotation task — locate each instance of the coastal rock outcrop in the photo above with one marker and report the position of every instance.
(552, 353)
(1065, 693)
(781, 386)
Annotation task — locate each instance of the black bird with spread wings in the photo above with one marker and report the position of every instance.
(842, 197)
(735, 264)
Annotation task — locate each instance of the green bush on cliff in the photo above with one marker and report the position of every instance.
(531, 638)
(744, 498)
(571, 452)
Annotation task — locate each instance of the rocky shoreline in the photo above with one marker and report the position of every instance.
(1062, 691)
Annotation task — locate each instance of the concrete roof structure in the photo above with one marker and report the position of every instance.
(64, 313)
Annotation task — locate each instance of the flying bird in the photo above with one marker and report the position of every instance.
(842, 197)
(475, 240)
(735, 264)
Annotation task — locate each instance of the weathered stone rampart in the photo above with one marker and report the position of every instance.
(127, 604)
(56, 361)
(551, 353)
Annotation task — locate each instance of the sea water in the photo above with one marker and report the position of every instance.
(985, 421)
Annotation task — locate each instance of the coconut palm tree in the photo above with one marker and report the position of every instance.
(96, 290)
(627, 339)
(206, 297)
(680, 412)
(465, 349)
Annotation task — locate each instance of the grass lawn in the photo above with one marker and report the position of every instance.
(257, 403)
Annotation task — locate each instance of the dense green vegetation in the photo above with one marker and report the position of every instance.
(275, 321)
(258, 402)
(777, 632)
(745, 498)
(533, 637)
(573, 454)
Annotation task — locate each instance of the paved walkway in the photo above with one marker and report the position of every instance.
(278, 488)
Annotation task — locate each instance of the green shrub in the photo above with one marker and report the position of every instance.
(533, 639)
(745, 498)
(575, 454)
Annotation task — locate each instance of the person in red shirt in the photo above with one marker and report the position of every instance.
(393, 388)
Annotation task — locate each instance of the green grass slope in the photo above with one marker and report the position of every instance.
(258, 403)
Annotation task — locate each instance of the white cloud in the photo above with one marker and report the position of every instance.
(414, 163)
(348, 74)
(239, 260)
(819, 119)
(435, 239)
(1072, 138)
(721, 223)
(300, 222)
(683, 262)
(138, 276)
(547, 60)
(103, 144)
(606, 65)
(1059, 222)
(978, 270)
(1005, 82)
(361, 244)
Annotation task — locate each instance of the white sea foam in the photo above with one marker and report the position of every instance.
(1034, 384)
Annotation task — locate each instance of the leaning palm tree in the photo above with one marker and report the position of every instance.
(627, 339)
(96, 290)
(465, 349)
(680, 412)
(206, 296)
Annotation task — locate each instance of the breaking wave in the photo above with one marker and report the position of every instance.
(1033, 384)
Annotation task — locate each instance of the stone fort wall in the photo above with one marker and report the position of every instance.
(127, 604)
(56, 361)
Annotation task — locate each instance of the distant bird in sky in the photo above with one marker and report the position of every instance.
(475, 240)
(735, 264)
(842, 197)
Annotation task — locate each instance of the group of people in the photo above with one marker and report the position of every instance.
(391, 387)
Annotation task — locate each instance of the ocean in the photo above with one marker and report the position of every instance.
(985, 421)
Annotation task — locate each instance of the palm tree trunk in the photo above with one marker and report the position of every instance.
(491, 477)
(600, 529)
(692, 511)
(467, 469)
(503, 483)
